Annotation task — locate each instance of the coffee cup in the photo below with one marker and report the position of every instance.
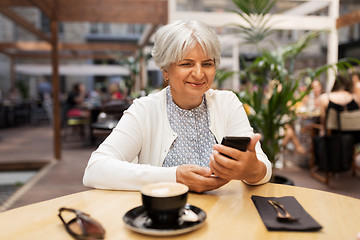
(164, 202)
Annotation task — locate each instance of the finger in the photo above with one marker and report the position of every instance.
(203, 171)
(208, 184)
(223, 161)
(199, 183)
(221, 150)
(189, 175)
(218, 169)
(214, 183)
(254, 139)
(212, 165)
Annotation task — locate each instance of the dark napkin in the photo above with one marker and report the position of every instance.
(268, 214)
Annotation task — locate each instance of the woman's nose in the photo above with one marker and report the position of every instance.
(198, 72)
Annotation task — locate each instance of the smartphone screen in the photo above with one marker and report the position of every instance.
(239, 143)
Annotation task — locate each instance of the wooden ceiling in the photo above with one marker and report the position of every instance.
(149, 12)
(348, 19)
(125, 11)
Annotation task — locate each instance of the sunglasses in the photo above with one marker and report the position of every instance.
(80, 225)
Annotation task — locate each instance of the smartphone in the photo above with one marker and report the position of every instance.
(239, 143)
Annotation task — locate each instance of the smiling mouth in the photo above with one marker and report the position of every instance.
(196, 84)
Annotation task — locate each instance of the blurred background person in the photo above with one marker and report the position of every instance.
(114, 91)
(313, 99)
(355, 76)
(45, 92)
(340, 97)
(76, 101)
(14, 96)
(311, 102)
(309, 111)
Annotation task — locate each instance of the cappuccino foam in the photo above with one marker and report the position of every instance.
(167, 189)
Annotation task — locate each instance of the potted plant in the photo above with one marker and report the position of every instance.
(272, 92)
(272, 83)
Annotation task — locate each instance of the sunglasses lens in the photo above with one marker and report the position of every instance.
(75, 228)
(92, 227)
(80, 225)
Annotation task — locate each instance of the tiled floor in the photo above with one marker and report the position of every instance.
(28, 144)
(65, 176)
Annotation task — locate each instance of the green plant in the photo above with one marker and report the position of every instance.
(221, 76)
(272, 92)
(256, 14)
(272, 82)
(273, 89)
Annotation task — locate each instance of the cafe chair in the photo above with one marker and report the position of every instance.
(344, 128)
(76, 128)
(39, 114)
(111, 113)
(115, 108)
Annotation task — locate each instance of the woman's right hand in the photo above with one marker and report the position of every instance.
(198, 179)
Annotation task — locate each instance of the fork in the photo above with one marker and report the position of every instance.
(282, 214)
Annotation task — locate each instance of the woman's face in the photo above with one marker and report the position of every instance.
(316, 86)
(190, 78)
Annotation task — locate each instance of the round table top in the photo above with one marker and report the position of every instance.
(230, 211)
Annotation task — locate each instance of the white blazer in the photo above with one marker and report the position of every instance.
(133, 154)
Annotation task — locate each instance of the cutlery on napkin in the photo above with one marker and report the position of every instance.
(268, 214)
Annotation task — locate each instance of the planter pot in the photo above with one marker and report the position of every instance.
(282, 180)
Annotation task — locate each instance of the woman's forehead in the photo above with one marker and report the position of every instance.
(197, 51)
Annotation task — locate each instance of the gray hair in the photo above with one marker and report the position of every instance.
(173, 41)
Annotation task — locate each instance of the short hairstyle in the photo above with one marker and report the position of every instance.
(173, 41)
(343, 81)
(355, 71)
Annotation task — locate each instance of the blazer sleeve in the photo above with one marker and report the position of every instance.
(114, 165)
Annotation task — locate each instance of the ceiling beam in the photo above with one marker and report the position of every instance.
(43, 6)
(23, 23)
(99, 46)
(3, 51)
(307, 8)
(65, 56)
(124, 11)
(15, 3)
(26, 46)
(348, 19)
(147, 33)
(277, 21)
(45, 46)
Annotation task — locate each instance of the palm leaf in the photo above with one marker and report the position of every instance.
(222, 75)
(255, 14)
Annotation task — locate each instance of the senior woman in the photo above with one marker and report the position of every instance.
(172, 135)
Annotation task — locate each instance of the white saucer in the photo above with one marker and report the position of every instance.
(137, 220)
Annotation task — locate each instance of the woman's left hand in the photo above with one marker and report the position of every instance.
(198, 178)
(244, 165)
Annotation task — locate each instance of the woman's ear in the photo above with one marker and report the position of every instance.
(165, 74)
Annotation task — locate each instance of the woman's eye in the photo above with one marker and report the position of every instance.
(185, 64)
(208, 64)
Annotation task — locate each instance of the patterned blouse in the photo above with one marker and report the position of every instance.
(195, 140)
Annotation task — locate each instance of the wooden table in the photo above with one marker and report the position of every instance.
(230, 214)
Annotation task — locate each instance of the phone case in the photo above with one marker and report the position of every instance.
(239, 143)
